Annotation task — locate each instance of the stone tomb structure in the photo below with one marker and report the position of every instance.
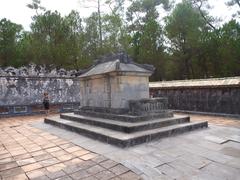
(116, 108)
(112, 83)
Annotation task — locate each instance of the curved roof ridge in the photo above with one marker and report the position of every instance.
(116, 62)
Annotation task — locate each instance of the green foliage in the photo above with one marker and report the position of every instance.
(229, 49)
(146, 33)
(58, 40)
(48, 36)
(197, 51)
(93, 46)
(183, 28)
(10, 34)
(188, 45)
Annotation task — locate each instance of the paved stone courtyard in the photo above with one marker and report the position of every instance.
(30, 153)
(30, 149)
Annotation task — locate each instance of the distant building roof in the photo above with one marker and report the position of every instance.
(117, 63)
(202, 83)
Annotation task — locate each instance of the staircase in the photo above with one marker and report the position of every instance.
(125, 130)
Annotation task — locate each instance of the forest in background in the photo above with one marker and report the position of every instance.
(185, 44)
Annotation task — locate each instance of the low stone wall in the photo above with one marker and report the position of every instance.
(211, 96)
(23, 95)
(148, 106)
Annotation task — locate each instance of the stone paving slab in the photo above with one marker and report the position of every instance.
(194, 155)
(27, 152)
(212, 153)
(217, 120)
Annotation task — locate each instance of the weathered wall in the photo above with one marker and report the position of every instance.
(128, 87)
(93, 92)
(113, 91)
(29, 90)
(22, 95)
(214, 100)
(21, 89)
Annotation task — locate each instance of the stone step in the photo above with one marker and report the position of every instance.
(125, 126)
(123, 117)
(122, 139)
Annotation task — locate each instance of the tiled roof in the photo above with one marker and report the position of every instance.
(119, 63)
(213, 82)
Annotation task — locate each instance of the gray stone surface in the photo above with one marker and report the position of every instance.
(127, 127)
(116, 83)
(114, 80)
(123, 134)
(26, 85)
(21, 89)
(188, 156)
(148, 106)
(29, 90)
(120, 62)
(33, 70)
(201, 95)
(123, 116)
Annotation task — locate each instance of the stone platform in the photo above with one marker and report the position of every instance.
(124, 130)
(116, 108)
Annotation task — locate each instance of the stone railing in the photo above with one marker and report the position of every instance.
(148, 106)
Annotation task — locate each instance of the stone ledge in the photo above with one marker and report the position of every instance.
(237, 116)
(127, 127)
(148, 106)
(122, 139)
(125, 117)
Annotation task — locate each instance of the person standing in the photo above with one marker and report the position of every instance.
(46, 103)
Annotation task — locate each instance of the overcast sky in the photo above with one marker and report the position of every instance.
(17, 12)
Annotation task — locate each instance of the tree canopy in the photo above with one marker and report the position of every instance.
(185, 44)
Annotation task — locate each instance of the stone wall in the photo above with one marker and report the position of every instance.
(29, 90)
(208, 96)
(128, 87)
(26, 93)
(113, 91)
(94, 92)
(21, 90)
